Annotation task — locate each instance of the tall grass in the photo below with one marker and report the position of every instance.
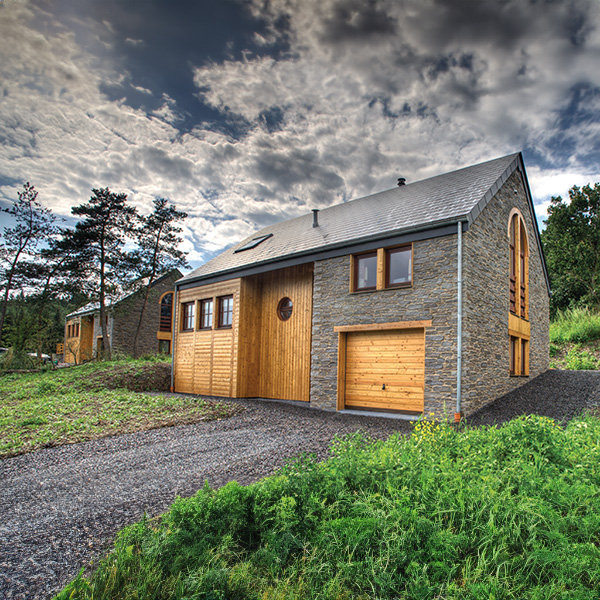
(505, 513)
(575, 325)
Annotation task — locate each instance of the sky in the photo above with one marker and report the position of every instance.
(248, 112)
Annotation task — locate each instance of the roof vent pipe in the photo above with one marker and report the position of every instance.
(401, 181)
(315, 212)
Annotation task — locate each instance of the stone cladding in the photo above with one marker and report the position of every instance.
(126, 314)
(431, 297)
(486, 259)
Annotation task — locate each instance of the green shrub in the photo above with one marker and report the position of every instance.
(509, 512)
(578, 359)
(575, 325)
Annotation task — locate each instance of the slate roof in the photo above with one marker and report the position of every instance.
(92, 307)
(429, 203)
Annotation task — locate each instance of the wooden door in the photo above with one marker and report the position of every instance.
(385, 369)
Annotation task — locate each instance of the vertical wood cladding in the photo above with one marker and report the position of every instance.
(261, 355)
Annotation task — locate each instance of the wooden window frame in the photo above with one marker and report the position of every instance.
(518, 265)
(387, 255)
(220, 303)
(285, 309)
(383, 269)
(201, 314)
(161, 322)
(72, 330)
(356, 258)
(518, 356)
(185, 317)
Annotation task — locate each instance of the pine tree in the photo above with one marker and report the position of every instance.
(99, 259)
(34, 225)
(158, 251)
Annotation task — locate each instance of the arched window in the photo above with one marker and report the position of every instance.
(166, 312)
(518, 325)
(519, 267)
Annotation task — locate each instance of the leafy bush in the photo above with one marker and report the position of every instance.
(575, 325)
(509, 512)
(578, 359)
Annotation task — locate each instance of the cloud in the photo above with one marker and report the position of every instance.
(335, 99)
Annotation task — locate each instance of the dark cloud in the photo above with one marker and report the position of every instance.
(357, 20)
(581, 107)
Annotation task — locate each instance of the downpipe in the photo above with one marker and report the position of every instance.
(459, 315)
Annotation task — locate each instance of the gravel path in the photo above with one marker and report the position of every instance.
(60, 507)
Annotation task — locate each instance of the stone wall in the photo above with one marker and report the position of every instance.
(485, 373)
(431, 297)
(486, 259)
(126, 315)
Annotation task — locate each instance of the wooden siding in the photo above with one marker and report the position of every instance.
(259, 356)
(371, 359)
(275, 354)
(205, 361)
(86, 337)
(79, 348)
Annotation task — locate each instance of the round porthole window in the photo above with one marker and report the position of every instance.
(284, 309)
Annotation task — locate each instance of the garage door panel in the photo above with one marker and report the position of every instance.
(395, 358)
(396, 381)
(407, 405)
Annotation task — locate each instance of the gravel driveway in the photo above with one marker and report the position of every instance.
(60, 507)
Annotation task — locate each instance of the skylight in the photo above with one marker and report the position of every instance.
(254, 242)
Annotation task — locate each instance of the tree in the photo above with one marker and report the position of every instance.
(99, 260)
(34, 225)
(572, 248)
(49, 280)
(158, 251)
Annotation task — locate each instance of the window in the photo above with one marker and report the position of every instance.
(166, 312)
(398, 267)
(386, 268)
(164, 346)
(365, 276)
(519, 356)
(225, 311)
(187, 316)
(206, 314)
(73, 330)
(253, 243)
(519, 263)
(284, 309)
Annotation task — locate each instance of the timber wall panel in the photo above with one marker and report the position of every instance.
(274, 354)
(205, 362)
(285, 345)
(260, 356)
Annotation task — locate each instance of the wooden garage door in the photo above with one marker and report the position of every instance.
(385, 369)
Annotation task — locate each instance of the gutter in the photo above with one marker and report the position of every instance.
(173, 337)
(331, 251)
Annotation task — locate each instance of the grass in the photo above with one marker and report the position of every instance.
(496, 513)
(575, 326)
(575, 340)
(52, 408)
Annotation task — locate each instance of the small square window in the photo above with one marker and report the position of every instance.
(398, 267)
(225, 311)
(206, 313)
(187, 316)
(365, 275)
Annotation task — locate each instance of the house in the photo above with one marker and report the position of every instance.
(431, 297)
(83, 330)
